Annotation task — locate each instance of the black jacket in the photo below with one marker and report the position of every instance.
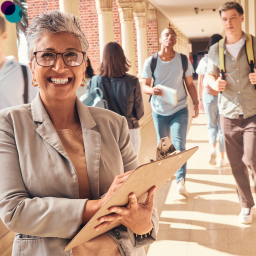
(123, 95)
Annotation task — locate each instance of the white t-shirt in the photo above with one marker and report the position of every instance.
(202, 68)
(234, 49)
(170, 74)
(12, 84)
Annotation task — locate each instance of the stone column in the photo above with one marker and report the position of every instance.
(252, 16)
(106, 30)
(245, 24)
(140, 17)
(10, 44)
(70, 7)
(126, 18)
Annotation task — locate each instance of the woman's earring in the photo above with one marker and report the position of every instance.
(83, 83)
(34, 83)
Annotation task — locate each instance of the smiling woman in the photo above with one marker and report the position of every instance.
(55, 159)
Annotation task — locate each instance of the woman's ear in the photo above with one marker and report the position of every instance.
(32, 70)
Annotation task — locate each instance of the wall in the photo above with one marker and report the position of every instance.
(89, 17)
(162, 22)
(199, 46)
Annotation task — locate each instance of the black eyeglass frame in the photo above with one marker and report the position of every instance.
(56, 55)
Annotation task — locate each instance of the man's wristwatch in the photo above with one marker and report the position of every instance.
(199, 99)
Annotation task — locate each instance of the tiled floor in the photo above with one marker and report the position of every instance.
(206, 223)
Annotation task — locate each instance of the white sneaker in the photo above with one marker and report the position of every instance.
(245, 216)
(212, 160)
(221, 162)
(181, 188)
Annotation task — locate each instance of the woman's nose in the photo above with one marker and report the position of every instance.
(59, 65)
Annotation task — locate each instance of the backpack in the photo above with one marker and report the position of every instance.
(184, 62)
(94, 98)
(249, 52)
(25, 77)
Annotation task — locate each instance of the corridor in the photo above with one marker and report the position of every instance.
(207, 222)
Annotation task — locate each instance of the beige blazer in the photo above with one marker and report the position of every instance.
(38, 183)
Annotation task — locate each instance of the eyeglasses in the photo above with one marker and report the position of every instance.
(70, 58)
(171, 35)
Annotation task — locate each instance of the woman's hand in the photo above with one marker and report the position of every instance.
(92, 206)
(135, 216)
(117, 182)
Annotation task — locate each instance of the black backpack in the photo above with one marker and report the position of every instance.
(184, 62)
(25, 77)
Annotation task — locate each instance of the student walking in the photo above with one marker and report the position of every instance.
(237, 103)
(171, 68)
(208, 103)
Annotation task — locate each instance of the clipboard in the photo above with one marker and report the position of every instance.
(140, 181)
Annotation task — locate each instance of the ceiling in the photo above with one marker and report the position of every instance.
(196, 27)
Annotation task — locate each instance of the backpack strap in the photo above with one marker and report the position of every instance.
(222, 59)
(25, 77)
(153, 68)
(250, 53)
(184, 62)
(153, 65)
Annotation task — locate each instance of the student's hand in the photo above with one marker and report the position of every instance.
(157, 91)
(252, 77)
(201, 105)
(196, 109)
(135, 216)
(220, 84)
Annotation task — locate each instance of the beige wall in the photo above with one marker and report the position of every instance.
(162, 23)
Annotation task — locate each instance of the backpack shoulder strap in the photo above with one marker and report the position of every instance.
(221, 57)
(153, 65)
(249, 50)
(25, 77)
(184, 62)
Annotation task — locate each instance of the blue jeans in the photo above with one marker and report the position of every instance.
(210, 103)
(177, 123)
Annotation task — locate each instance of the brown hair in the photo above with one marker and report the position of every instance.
(2, 24)
(231, 5)
(114, 62)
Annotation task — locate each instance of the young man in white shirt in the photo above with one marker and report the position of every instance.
(237, 103)
(169, 72)
(12, 83)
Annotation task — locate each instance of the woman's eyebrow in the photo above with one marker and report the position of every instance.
(68, 49)
(48, 49)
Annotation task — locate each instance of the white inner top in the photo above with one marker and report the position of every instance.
(234, 49)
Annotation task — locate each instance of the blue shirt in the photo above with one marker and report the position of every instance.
(169, 74)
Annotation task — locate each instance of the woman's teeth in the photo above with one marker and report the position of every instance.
(59, 80)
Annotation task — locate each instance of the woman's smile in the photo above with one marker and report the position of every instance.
(59, 80)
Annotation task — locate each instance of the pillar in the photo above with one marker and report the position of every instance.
(126, 19)
(252, 17)
(140, 17)
(106, 30)
(70, 7)
(10, 44)
(245, 24)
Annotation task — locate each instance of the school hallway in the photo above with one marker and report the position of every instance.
(206, 223)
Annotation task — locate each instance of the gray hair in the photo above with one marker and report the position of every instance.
(51, 23)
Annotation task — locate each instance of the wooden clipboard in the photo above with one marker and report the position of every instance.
(140, 181)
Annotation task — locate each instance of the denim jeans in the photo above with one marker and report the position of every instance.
(210, 103)
(177, 124)
(135, 139)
